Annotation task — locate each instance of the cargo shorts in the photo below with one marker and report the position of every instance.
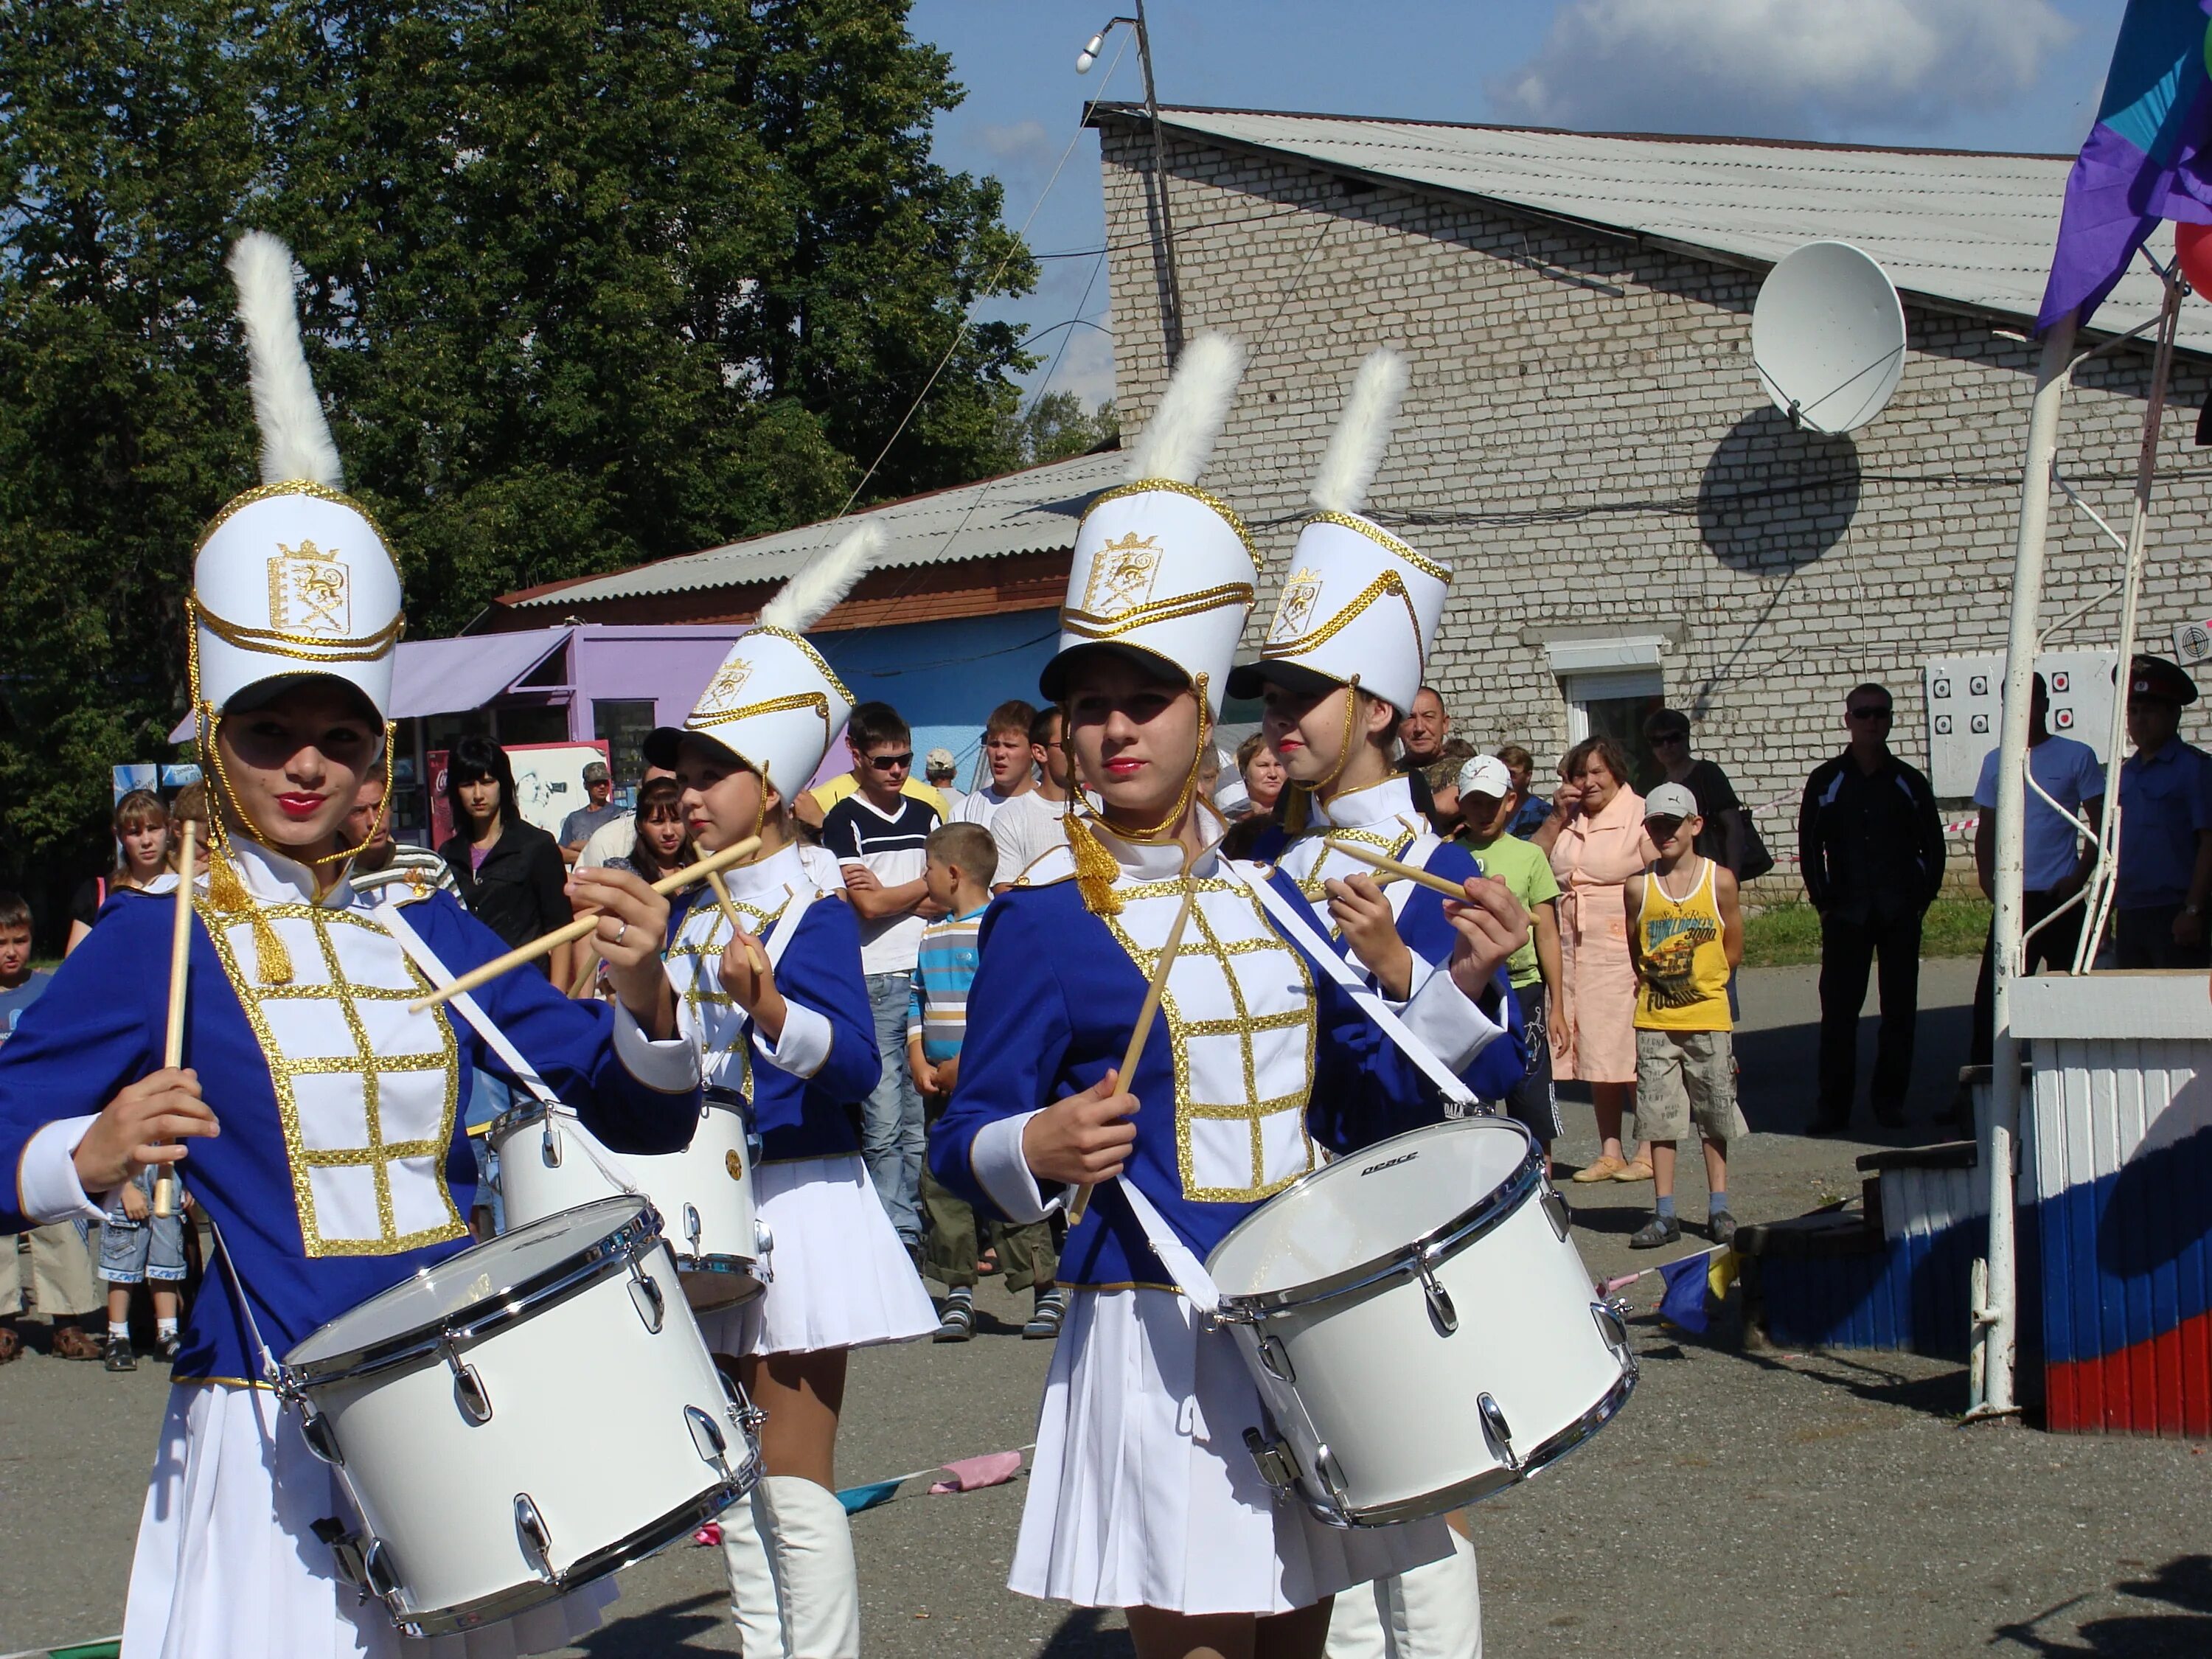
(1681, 1075)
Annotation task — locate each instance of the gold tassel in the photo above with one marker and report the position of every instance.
(1096, 869)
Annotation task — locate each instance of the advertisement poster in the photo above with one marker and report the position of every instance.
(548, 784)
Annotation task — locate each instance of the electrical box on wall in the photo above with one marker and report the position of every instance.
(1966, 703)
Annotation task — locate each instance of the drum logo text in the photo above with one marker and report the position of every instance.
(1390, 1162)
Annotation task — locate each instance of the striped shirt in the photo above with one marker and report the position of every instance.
(936, 1007)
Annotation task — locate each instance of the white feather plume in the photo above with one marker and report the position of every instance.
(1362, 432)
(1177, 442)
(295, 439)
(811, 595)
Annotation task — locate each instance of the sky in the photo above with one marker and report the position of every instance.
(2001, 75)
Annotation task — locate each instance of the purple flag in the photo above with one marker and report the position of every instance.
(2149, 157)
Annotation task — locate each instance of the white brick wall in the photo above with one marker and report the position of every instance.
(1581, 408)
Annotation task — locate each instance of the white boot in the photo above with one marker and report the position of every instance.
(816, 1580)
(1433, 1612)
(753, 1601)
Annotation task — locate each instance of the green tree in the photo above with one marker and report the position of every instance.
(589, 282)
(1054, 427)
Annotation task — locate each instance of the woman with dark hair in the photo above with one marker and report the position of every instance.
(1595, 838)
(510, 872)
(142, 839)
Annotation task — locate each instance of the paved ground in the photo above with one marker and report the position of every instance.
(1782, 1505)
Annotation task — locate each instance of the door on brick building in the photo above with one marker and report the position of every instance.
(1614, 703)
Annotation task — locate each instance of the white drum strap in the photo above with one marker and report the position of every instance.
(1174, 1255)
(496, 1040)
(1459, 1099)
(786, 923)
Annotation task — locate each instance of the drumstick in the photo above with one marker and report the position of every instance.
(730, 914)
(1145, 1015)
(173, 1049)
(1403, 871)
(546, 943)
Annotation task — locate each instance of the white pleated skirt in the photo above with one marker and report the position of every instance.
(842, 1279)
(228, 1565)
(1143, 1493)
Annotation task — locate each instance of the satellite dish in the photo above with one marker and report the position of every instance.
(1827, 337)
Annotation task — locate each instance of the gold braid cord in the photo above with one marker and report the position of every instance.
(1096, 869)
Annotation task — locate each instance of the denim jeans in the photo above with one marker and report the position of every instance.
(488, 1098)
(890, 1117)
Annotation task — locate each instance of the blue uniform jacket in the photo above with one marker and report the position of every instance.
(100, 1026)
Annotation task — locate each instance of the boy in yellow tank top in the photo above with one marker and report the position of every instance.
(1685, 935)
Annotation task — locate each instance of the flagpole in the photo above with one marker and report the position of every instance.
(1995, 1327)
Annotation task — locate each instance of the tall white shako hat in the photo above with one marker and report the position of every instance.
(1360, 604)
(1162, 570)
(774, 704)
(293, 577)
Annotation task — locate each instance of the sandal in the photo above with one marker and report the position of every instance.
(1639, 1170)
(11, 1344)
(1605, 1168)
(74, 1342)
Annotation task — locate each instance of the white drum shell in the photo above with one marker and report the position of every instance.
(587, 1419)
(1394, 1399)
(723, 1262)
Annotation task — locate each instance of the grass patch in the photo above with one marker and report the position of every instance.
(1789, 935)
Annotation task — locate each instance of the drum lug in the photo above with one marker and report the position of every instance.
(537, 1537)
(549, 1144)
(1612, 1324)
(1497, 1430)
(645, 1293)
(714, 1447)
(1440, 1302)
(764, 1249)
(1331, 1474)
(1278, 1467)
(468, 1387)
(345, 1552)
(322, 1440)
(692, 1229)
(378, 1575)
(1555, 1207)
(1275, 1356)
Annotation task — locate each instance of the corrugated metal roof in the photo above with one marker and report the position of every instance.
(1966, 228)
(1033, 511)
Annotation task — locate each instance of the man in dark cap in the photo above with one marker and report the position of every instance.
(2165, 826)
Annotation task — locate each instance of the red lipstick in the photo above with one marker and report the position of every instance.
(299, 807)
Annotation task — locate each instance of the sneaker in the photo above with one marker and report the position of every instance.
(119, 1357)
(1044, 1322)
(172, 1346)
(957, 1322)
(1720, 1227)
(1660, 1230)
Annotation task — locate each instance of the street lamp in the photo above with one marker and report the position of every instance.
(1172, 320)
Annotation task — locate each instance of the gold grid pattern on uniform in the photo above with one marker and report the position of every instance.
(701, 981)
(1316, 879)
(1252, 1110)
(379, 1155)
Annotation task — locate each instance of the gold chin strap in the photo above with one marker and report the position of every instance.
(1096, 869)
(1298, 809)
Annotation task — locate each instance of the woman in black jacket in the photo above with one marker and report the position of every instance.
(510, 872)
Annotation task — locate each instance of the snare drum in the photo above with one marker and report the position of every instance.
(548, 1162)
(521, 1419)
(1420, 1326)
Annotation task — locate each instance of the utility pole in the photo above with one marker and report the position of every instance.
(1171, 284)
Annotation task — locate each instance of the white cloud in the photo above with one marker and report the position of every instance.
(1779, 68)
(1021, 156)
(1087, 369)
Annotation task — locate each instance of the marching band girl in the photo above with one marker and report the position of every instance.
(779, 1013)
(1346, 651)
(321, 1116)
(1143, 1495)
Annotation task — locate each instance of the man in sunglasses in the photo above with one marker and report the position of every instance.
(1871, 844)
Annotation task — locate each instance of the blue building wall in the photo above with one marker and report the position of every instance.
(944, 676)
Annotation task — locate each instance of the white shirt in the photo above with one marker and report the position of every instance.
(983, 805)
(1024, 830)
(615, 839)
(2069, 772)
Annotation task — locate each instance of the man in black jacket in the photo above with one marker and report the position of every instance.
(1872, 848)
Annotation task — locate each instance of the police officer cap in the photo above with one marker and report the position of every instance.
(2155, 677)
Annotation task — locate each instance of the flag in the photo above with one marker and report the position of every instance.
(973, 1473)
(1683, 1302)
(2149, 157)
(856, 1498)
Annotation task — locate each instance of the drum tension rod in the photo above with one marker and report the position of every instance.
(1440, 1302)
(1498, 1429)
(468, 1387)
(537, 1537)
(645, 1294)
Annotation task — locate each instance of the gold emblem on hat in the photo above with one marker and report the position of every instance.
(1300, 594)
(1122, 573)
(729, 680)
(309, 591)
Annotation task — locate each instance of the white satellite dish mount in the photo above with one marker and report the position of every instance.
(1827, 337)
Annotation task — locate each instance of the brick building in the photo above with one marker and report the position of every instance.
(1585, 439)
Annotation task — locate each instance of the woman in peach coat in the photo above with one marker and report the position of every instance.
(1595, 839)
